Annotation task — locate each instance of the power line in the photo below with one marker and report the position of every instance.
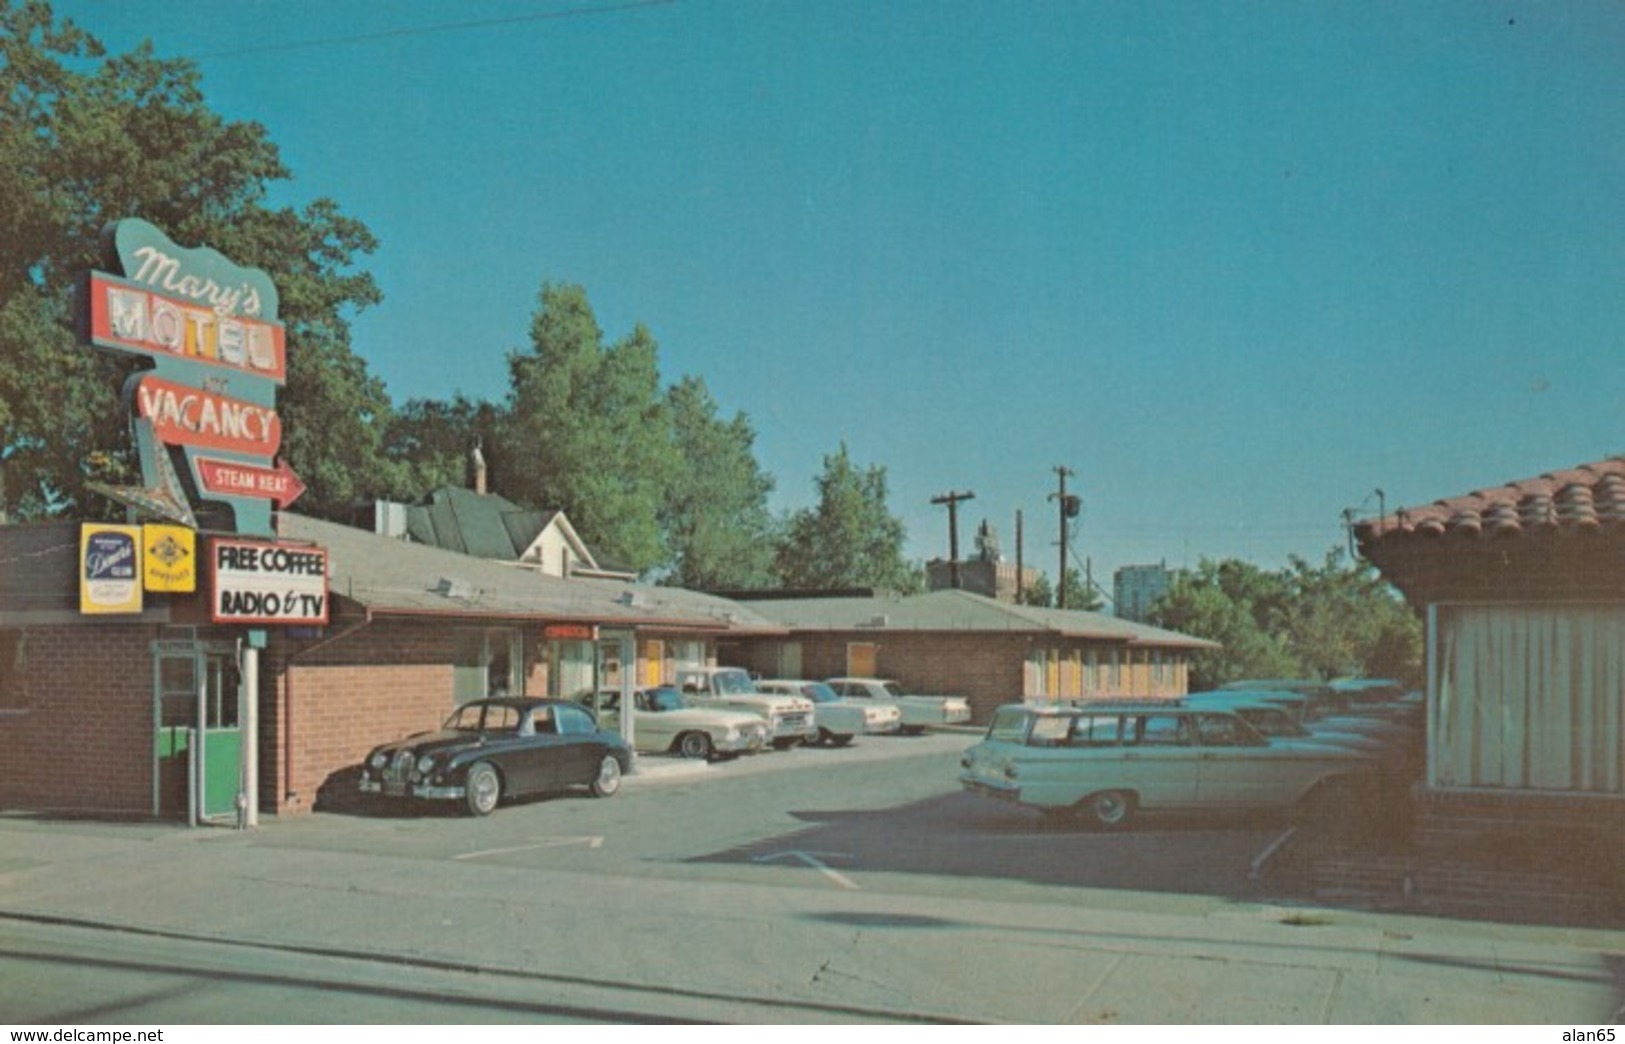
(427, 30)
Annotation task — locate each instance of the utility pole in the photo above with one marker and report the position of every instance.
(952, 501)
(1020, 584)
(1070, 505)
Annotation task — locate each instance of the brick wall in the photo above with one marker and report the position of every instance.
(338, 699)
(76, 728)
(1512, 857)
(987, 670)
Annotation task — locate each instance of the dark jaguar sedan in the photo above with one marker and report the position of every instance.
(491, 749)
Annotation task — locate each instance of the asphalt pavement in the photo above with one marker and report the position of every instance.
(1089, 958)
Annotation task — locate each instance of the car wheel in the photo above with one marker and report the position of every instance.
(1110, 808)
(483, 789)
(609, 777)
(840, 741)
(695, 745)
(824, 737)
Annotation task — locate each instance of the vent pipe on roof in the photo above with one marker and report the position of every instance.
(476, 461)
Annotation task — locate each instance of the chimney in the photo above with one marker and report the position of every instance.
(477, 459)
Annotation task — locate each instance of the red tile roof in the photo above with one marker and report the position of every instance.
(1583, 498)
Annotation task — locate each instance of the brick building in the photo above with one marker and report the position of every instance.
(963, 644)
(101, 713)
(1523, 587)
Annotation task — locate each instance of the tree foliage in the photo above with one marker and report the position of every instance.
(717, 525)
(587, 429)
(1079, 594)
(87, 138)
(850, 538)
(1305, 621)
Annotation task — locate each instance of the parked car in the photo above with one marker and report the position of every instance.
(491, 749)
(667, 723)
(917, 711)
(789, 718)
(1275, 721)
(1111, 761)
(839, 719)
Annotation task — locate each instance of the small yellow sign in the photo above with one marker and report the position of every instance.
(169, 559)
(109, 569)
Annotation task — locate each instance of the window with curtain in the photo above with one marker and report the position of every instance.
(1529, 698)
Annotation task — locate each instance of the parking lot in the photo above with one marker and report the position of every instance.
(811, 885)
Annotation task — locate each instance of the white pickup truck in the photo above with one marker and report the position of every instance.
(789, 718)
(918, 711)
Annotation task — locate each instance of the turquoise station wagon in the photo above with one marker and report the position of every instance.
(1109, 761)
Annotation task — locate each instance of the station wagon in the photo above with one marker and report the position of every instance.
(1110, 761)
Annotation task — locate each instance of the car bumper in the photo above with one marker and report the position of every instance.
(989, 788)
(741, 745)
(788, 730)
(882, 728)
(373, 786)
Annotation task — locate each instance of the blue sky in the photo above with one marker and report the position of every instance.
(1237, 265)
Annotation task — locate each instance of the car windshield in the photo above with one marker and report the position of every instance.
(818, 692)
(484, 717)
(665, 700)
(1009, 724)
(466, 718)
(734, 683)
(1272, 721)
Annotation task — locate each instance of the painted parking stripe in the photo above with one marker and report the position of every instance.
(551, 842)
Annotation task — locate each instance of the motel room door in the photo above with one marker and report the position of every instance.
(197, 713)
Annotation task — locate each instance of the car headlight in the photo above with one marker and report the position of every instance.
(425, 764)
(378, 760)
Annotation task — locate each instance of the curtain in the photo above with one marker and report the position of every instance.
(1530, 698)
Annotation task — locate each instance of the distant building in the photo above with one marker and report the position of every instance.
(1136, 588)
(962, 644)
(988, 574)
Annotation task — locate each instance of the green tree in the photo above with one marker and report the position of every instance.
(588, 430)
(850, 539)
(86, 139)
(1346, 621)
(434, 441)
(1219, 602)
(1079, 594)
(718, 527)
(1310, 621)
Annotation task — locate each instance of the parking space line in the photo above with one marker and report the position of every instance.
(1269, 853)
(552, 842)
(815, 863)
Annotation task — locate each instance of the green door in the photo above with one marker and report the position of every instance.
(198, 750)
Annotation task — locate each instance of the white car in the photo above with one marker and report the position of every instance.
(789, 718)
(918, 711)
(1110, 761)
(666, 722)
(838, 719)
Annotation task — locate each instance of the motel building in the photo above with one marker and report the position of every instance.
(173, 712)
(213, 655)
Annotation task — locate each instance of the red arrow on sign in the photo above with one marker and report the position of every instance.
(236, 479)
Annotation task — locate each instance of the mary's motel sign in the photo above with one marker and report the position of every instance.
(205, 425)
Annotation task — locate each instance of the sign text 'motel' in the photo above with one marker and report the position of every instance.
(218, 356)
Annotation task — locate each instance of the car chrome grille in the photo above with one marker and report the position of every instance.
(399, 768)
(796, 720)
